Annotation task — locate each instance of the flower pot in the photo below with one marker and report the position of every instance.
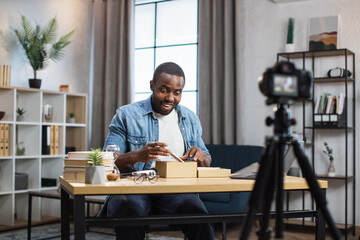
(71, 120)
(95, 174)
(34, 83)
(290, 47)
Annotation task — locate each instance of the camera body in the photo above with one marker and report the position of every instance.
(283, 83)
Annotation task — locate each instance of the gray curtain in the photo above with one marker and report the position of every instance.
(112, 63)
(219, 108)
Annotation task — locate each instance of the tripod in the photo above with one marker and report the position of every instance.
(270, 177)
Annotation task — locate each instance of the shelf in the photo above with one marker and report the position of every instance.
(339, 128)
(329, 53)
(339, 177)
(329, 80)
(27, 132)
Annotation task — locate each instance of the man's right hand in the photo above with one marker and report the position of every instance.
(152, 151)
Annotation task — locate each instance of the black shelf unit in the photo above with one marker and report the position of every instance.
(348, 130)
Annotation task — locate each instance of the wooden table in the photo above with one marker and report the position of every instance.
(163, 185)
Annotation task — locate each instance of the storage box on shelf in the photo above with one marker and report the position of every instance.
(338, 128)
(25, 149)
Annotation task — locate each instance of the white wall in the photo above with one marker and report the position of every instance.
(74, 68)
(263, 27)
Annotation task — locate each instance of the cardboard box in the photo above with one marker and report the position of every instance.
(213, 172)
(172, 169)
(21, 181)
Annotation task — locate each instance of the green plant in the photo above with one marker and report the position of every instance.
(290, 32)
(71, 115)
(95, 157)
(39, 43)
(328, 151)
(20, 111)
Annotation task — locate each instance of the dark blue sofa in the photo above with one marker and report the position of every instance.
(234, 157)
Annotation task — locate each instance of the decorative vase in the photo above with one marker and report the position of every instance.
(94, 174)
(20, 118)
(290, 47)
(71, 120)
(331, 169)
(34, 83)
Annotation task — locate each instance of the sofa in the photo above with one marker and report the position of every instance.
(234, 157)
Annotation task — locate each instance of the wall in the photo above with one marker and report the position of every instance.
(74, 68)
(262, 26)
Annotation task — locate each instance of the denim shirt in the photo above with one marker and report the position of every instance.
(135, 125)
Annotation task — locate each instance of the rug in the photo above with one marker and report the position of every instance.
(52, 231)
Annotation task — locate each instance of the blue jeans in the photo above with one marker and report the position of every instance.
(167, 204)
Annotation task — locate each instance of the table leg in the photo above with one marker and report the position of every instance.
(29, 218)
(65, 218)
(79, 217)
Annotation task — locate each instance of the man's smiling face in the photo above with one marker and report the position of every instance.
(167, 90)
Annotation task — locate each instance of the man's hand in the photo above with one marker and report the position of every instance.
(198, 155)
(150, 151)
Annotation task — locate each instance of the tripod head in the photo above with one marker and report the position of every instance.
(281, 122)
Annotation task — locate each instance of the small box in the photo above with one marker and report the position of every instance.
(172, 169)
(213, 172)
(21, 181)
(48, 182)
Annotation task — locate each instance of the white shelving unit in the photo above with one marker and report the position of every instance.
(28, 132)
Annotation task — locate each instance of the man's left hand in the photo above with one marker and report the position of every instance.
(198, 155)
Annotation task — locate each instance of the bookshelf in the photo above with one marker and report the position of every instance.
(341, 131)
(27, 133)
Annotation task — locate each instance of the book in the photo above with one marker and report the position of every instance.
(7, 83)
(341, 103)
(75, 162)
(329, 102)
(1, 75)
(52, 146)
(83, 161)
(2, 139)
(73, 175)
(45, 141)
(74, 168)
(6, 139)
(56, 140)
(316, 109)
(85, 154)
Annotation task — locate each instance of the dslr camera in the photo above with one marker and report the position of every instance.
(283, 83)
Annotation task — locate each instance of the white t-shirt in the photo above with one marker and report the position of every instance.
(169, 132)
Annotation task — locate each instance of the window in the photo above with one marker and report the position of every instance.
(166, 31)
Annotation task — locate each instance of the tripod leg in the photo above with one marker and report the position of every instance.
(262, 178)
(264, 231)
(279, 175)
(314, 188)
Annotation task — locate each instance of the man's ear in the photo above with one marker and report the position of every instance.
(152, 85)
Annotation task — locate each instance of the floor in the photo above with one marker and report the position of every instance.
(233, 232)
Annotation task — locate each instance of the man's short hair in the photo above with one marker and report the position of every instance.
(169, 68)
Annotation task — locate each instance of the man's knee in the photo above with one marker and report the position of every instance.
(121, 205)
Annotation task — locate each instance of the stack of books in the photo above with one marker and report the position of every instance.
(4, 140)
(74, 164)
(329, 104)
(5, 75)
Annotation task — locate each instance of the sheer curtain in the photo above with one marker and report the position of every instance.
(112, 63)
(219, 74)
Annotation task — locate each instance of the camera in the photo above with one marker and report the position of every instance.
(283, 83)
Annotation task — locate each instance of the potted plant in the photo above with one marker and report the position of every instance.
(40, 46)
(71, 118)
(94, 170)
(20, 114)
(329, 152)
(290, 47)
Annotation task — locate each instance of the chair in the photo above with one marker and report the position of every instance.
(234, 157)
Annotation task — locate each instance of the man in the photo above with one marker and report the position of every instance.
(146, 131)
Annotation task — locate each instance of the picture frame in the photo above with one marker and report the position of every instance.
(323, 33)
